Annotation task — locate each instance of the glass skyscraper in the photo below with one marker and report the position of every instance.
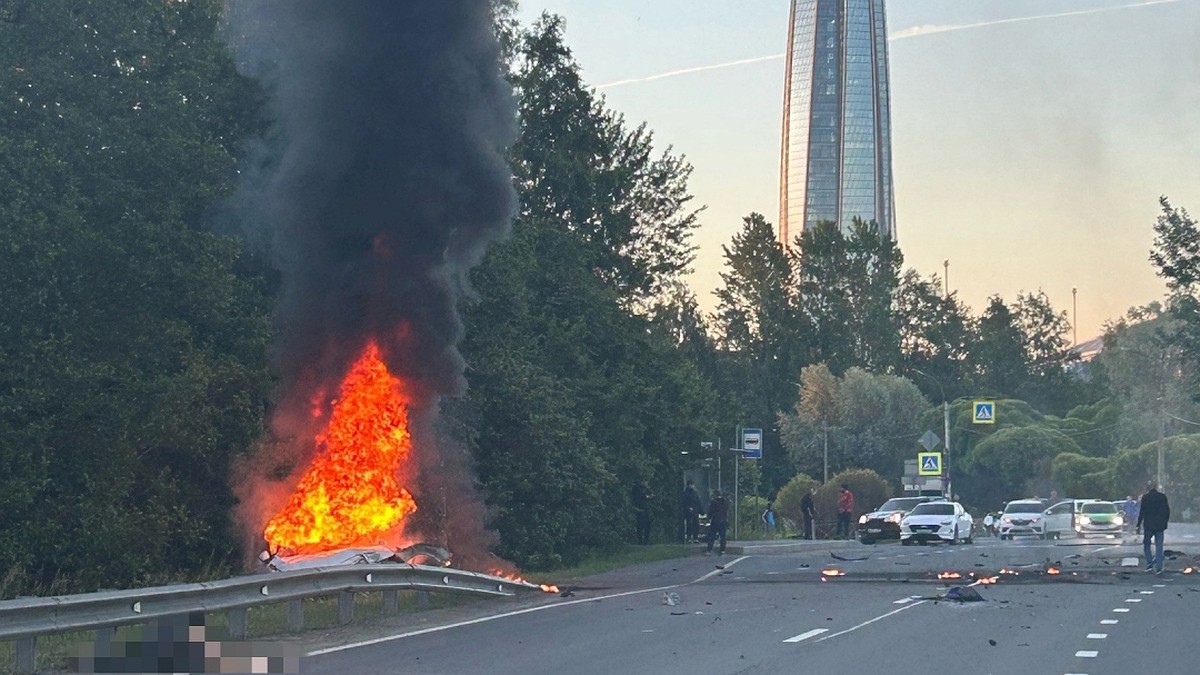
(837, 148)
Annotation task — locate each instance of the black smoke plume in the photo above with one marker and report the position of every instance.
(386, 182)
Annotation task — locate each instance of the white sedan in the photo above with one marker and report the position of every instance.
(937, 521)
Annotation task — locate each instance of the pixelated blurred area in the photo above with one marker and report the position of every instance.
(184, 645)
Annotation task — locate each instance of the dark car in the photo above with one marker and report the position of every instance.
(884, 522)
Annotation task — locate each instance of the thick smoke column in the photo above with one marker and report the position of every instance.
(393, 117)
(385, 184)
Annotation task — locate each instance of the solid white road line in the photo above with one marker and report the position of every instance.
(1097, 636)
(1085, 654)
(871, 621)
(804, 636)
(505, 615)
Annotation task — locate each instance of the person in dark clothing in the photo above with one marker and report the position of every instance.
(809, 512)
(1153, 515)
(641, 508)
(690, 507)
(718, 521)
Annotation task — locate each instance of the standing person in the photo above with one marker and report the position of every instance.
(641, 508)
(1153, 514)
(689, 504)
(809, 512)
(718, 521)
(845, 511)
(1132, 509)
(768, 518)
(988, 522)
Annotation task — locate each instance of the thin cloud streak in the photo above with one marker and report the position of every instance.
(904, 34)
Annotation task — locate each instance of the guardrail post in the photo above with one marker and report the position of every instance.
(295, 609)
(26, 655)
(423, 599)
(391, 601)
(345, 606)
(237, 622)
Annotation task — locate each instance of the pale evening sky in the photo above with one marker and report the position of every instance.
(1030, 152)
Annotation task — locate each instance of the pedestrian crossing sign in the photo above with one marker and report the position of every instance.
(929, 463)
(985, 412)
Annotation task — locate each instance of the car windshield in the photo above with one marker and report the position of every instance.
(1024, 507)
(933, 510)
(900, 504)
(1099, 507)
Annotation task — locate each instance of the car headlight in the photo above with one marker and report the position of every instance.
(1118, 520)
(1007, 519)
(862, 520)
(1033, 519)
(947, 522)
(895, 518)
(1084, 520)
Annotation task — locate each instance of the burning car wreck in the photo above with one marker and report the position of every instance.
(416, 554)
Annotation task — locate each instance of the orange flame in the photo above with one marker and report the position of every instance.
(1053, 570)
(988, 581)
(1189, 570)
(949, 575)
(351, 494)
(832, 572)
(546, 588)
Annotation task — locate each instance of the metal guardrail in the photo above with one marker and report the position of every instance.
(25, 619)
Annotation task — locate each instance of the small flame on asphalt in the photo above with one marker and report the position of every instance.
(832, 572)
(1005, 570)
(949, 575)
(1053, 570)
(1189, 570)
(548, 588)
(988, 581)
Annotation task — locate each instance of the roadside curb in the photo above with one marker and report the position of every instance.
(779, 546)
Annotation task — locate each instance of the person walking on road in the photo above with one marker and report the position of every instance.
(718, 521)
(808, 511)
(1154, 512)
(641, 506)
(1132, 508)
(689, 504)
(845, 512)
(987, 523)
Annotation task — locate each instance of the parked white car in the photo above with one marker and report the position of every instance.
(1035, 518)
(937, 521)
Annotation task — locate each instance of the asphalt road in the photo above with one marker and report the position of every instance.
(771, 610)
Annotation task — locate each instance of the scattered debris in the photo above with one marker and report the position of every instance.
(832, 572)
(963, 594)
(849, 559)
(670, 599)
(678, 613)
(991, 642)
(567, 594)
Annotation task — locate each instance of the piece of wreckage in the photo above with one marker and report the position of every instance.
(417, 554)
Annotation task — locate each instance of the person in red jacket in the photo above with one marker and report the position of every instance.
(845, 512)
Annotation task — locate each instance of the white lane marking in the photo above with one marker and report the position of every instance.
(505, 615)
(1146, 592)
(1121, 609)
(1133, 599)
(904, 601)
(871, 621)
(1105, 548)
(804, 636)
(1129, 562)
(1097, 636)
(1110, 622)
(1085, 654)
(715, 572)
(1160, 585)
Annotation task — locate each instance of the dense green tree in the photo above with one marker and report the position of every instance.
(760, 334)
(999, 353)
(132, 356)
(1018, 461)
(847, 284)
(936, 336)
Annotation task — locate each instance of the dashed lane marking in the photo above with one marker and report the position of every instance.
(1133, 599)
(1160, 585)
(1086, 654)
(871, 621)
(806, 635)
(1110, 622)
(1097, 636)
(1121, 609)
(1146, 592)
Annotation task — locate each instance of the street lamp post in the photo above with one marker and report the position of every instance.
(945, 429)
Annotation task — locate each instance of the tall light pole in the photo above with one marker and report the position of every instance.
(946, 276)
(945, 428)
(1074, 317)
